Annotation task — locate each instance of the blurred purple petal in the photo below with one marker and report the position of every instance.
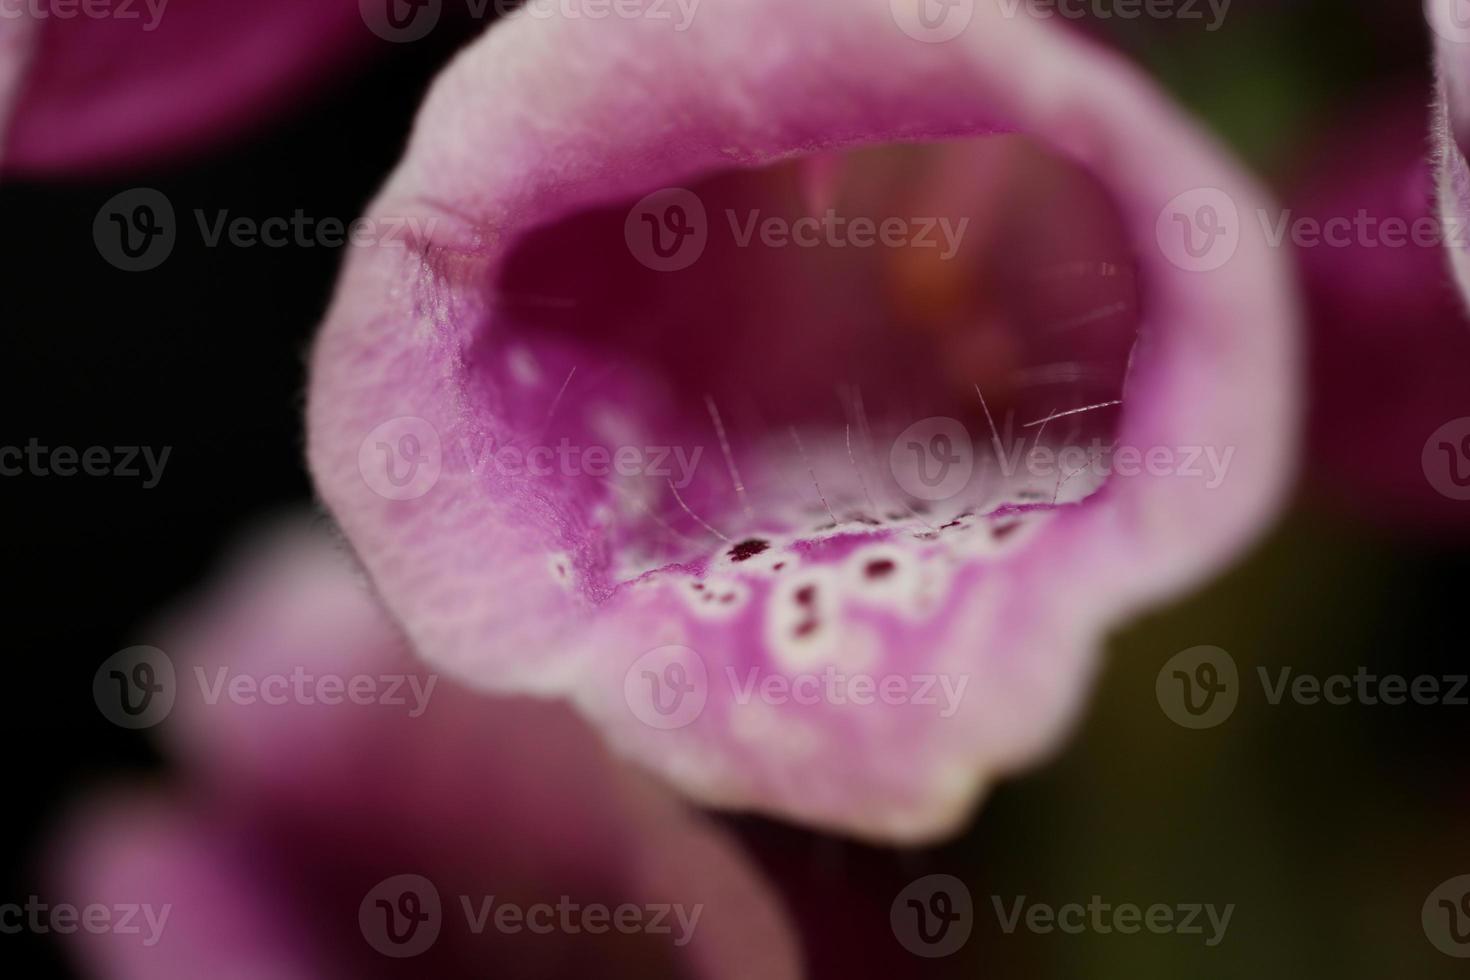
(1390, 348)
(291, 814)
(151, 79)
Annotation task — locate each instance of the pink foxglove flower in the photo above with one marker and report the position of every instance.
(343, 814)
(714, 397)
(120, 83)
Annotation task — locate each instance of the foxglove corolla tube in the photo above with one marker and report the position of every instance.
(343, 812)
(714, 393)
(122, 83)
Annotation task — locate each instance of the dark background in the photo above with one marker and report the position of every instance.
(1326, 826)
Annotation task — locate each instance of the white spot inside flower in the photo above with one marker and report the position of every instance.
(758, 723)
(999, 534)
(523, 367)
(905, 581)
(613, 426)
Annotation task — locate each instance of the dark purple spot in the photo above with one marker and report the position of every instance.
(806, 595)
(1002, 531)
(880, 568)
(748, 549)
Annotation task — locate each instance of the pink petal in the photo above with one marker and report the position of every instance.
(553, 585)
(1389, 344)
(296, 811)
(17, 42)
(120, 90)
